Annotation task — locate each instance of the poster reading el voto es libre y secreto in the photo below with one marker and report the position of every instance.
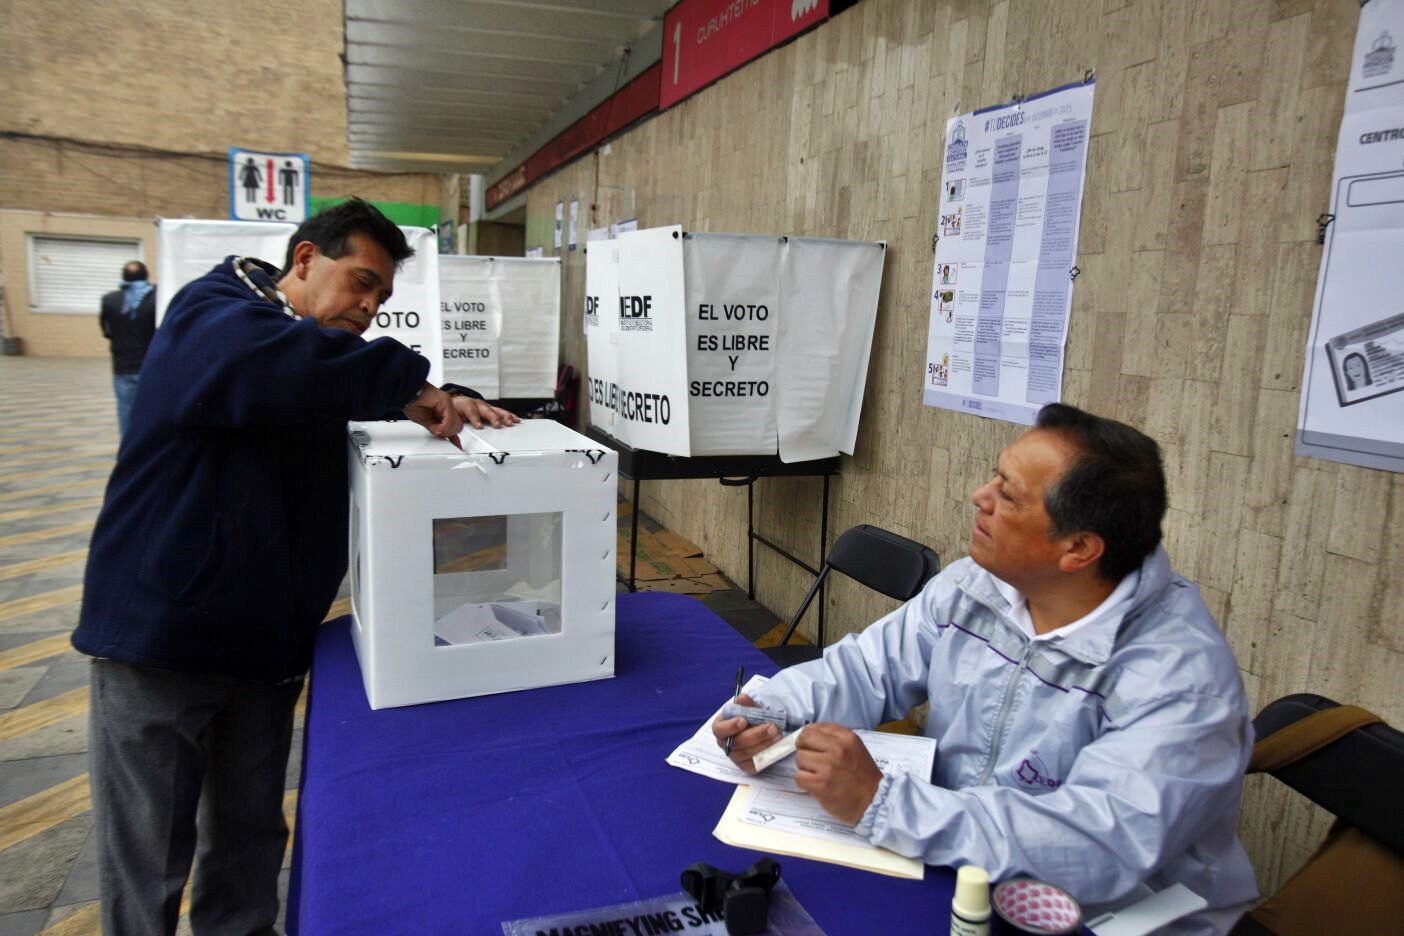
(1010, 205)
(1351, 410)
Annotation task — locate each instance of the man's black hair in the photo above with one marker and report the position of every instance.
(331, 229)
(133, 271)
(1115, 488)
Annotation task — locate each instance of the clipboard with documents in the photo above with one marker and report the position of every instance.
(769, 813)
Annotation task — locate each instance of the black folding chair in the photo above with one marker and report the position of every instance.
(883, 561)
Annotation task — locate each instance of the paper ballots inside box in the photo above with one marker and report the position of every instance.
(484, 570)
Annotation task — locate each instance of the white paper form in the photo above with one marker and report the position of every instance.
(1351, 410)
(894, 753)
(700, 755)
(1001, 289)
(801, 813)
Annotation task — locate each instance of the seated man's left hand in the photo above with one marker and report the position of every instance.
(478, 413)
(837, 770)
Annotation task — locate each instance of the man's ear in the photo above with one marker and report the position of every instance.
(303, 255)
(1081, 551)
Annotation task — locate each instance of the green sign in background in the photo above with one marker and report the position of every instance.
(408, 214)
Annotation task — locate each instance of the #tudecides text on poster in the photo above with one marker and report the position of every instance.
(1001, 288)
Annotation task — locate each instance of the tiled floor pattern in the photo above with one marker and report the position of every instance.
(58, 439)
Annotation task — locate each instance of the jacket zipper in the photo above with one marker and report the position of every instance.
(1003, 717)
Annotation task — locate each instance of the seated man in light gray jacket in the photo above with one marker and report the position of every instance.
(1090, 717)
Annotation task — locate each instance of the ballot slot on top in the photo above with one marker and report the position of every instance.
(485, 570)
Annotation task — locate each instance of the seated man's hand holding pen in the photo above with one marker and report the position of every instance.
(746, 741)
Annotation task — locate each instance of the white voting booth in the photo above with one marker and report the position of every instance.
(190, 248)
(481, 571)
(730, 344)
(501, 324)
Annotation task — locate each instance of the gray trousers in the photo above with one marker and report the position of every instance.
(173, 752)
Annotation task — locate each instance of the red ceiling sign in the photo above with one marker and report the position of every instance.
(706, 39)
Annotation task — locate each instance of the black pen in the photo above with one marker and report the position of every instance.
(735, 694)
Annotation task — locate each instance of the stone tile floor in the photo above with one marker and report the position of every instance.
(58, 440)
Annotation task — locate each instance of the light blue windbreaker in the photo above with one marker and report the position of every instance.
(1099, 762)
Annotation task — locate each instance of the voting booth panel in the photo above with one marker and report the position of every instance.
(829, 295)
(760, 345)
(190, 248)
(602, 333)
(733, 304)
(480, 571)
(501, 324)
(187, 249)
(651, 393)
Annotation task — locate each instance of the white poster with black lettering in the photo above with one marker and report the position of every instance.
(1352, 410)
(602, 333)
(732, 288)
(828, 310)
(471, 322)
(411, 316)
(529, 294)
(651, 404)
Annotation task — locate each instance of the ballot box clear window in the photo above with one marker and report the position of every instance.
(496, 578)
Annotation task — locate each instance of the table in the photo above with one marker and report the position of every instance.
(733, 471)
(456, 816)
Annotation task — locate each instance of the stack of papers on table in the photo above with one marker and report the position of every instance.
(770, 813)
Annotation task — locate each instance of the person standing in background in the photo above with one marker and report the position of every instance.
(128, 320)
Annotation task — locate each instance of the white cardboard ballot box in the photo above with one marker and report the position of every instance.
(485, 570)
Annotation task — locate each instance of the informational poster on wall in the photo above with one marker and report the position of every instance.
(1001, 289)
(1351, 408)
(501, 324)
(190, 248)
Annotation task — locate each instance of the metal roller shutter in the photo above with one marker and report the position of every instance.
(71, 274)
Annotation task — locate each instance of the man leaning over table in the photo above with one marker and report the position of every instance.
(1091, 724)
(220, 545)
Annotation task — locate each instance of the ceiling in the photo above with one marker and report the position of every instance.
(456, 85)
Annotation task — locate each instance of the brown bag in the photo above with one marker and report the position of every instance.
(1353, 883)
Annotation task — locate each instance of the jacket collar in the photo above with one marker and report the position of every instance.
(262, 279)
(1094, 643)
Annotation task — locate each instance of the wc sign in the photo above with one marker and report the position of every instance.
(267, 186)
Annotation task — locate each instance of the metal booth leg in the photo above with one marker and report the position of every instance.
(823, 545)
(634, 536)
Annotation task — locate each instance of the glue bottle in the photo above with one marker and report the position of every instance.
(970, 910)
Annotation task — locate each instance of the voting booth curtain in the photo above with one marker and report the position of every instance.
(730, 344)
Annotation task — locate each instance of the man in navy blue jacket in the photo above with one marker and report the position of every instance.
(220, 545)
